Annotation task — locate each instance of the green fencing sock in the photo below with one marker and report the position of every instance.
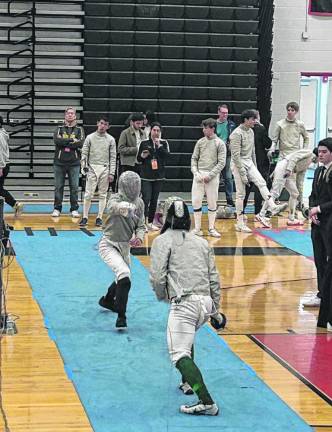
(192, 375)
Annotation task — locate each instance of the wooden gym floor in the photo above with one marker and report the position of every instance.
(261, 295)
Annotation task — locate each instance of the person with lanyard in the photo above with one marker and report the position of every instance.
(320, 203)
(152, 155)
(193, 292)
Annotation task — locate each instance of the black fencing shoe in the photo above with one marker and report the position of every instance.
(99, 222)
(185, 388)
(83, 222)
(200, 409)
(121, 324)
(107, 304)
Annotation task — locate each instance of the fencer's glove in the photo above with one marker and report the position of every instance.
(135, 242)
(244, 179)
(126, 209)
(218, 320)
(84, 170)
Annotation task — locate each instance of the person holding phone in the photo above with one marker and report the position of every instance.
(152, 155)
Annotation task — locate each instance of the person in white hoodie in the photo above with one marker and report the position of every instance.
(4, 170)
(98, 162)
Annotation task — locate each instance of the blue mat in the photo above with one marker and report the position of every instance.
(125, 381)
(297, 240)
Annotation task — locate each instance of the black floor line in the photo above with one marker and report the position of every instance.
(28, 231)
(52, 231)
(87, 232)
(291, 370)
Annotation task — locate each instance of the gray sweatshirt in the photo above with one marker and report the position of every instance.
(209, 156)
(4, 148)
(288, 135)
(100, 149)
(242, 145)
(183, 264)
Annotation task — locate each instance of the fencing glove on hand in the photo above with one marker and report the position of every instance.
(218, 321)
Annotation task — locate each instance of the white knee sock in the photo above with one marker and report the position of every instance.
(101, 207)
(212, 219)
(198, 219)
(86, 208)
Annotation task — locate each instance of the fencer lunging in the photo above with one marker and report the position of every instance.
(124, 227)
(193, 293)
(243, 165)
(285, 175)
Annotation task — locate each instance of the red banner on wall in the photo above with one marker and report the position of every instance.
(320, 7)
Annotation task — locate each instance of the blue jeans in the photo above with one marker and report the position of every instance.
(60, 172)
(228, 178)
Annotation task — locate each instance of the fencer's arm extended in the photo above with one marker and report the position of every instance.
(140, 228)
(159, 257)
(214, 279)
(221, 156)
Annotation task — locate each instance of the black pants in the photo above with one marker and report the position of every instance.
(8, 197)
(150, 194)
(325, 309)
(319, 237)
(124, 168)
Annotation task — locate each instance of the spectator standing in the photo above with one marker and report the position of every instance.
(207, 161)
(129, 142)
(287, 137)
(152, 156)
(4, 170)
(320, 203)
(262, 144)
(225, 127)
(68, 139)
(98, 164)
(242, 144)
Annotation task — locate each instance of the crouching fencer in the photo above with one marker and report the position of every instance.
(193, 292)
(124, 227)
(243, 165)
(285, 176)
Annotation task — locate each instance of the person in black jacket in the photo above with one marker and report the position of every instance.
(152, 155)
(320, 203)
(68, 140)
(262, 143)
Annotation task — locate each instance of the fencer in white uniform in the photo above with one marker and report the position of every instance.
(284, 176)
(193, 292)
(244, 169)
(124, 227)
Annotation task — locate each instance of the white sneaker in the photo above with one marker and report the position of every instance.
(278, 209)
(56, 213)
(294, 222)
(197, 232)
(75, 214)
(152, 227)
(186, 389)
(242, 227)
(214, 233)
(313, 301)
(264, 221)
(18, 208)
(200, 409)
(329, 327)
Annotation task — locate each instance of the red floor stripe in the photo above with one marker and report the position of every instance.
(309, 355)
